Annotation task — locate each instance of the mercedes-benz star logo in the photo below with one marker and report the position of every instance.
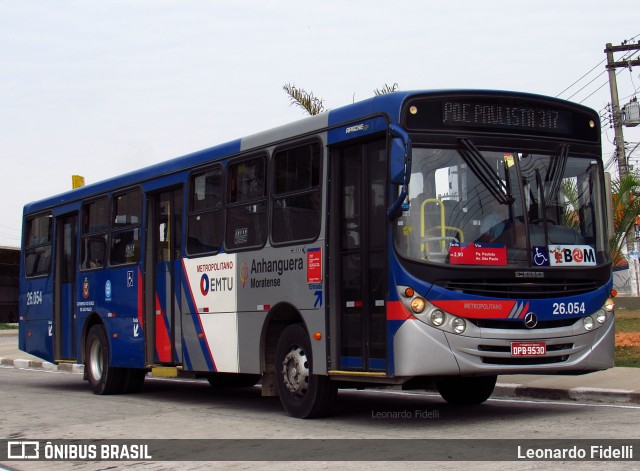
(530, 320)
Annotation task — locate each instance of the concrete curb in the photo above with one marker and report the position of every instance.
(9, 332)
(21, 363)
(579, 394)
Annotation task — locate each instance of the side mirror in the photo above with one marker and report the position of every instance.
(400, 168)
(398, 152)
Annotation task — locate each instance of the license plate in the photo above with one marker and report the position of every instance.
(528, 349)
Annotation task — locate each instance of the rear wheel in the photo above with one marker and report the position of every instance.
(103, 379)
(466, 390)
(134, 380)
(302, 394)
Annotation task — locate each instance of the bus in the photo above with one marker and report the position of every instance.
(411, 240)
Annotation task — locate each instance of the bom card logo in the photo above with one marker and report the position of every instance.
(571, 255)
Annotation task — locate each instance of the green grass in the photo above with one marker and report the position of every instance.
(8, 326)
(628, 356)
(627, 321)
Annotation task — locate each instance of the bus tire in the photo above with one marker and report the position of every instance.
(302, 394)
(233, 380)
(133, 380)
(102, 378)
(466, 390)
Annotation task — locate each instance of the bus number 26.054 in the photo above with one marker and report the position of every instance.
(34, 297)
(568, 308)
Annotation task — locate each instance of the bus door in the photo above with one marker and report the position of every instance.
(163, 260)
(64, 347)
(359, 247)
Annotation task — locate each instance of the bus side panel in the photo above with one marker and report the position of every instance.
(114, 295)
(36, 317)
(284, 282)
(209, 317)
(37, 338)
(125, 329)
(127, 342)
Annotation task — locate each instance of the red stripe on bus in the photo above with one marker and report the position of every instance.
(492, 309)
(397, 312)
(140, 300)
(163, 343)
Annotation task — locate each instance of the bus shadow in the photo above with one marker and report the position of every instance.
(377, 408)
(428, 409)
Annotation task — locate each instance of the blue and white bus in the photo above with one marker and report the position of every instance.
(415, 238)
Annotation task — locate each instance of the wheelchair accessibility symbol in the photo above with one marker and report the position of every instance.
(541, 256)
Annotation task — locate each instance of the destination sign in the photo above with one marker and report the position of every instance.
(469, 113)
(502, 114)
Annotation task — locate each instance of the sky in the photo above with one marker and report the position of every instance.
(100, 88)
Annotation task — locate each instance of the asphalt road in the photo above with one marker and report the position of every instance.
(44, 405)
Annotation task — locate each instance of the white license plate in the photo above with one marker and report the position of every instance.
(528, 349)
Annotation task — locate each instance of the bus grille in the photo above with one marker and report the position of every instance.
(524, 361)
(519, 324)
(513, 289)
(507, 348)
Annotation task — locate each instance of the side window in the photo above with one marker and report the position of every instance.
(296, 204)
(205, 219)
(37, 252)
(95, 223)
(246, 204)
(125, 230)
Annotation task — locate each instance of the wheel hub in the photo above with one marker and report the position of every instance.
(296, 372)
(95, 360)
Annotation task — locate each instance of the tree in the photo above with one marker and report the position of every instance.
(386, 89)
(626, 210)
(314, 105)
(625, 207)
(305, 100)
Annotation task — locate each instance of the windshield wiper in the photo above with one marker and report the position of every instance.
(485, 174)
(556, 174)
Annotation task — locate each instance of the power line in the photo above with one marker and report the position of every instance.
(594, 68)
(588, 83)
(627, 56)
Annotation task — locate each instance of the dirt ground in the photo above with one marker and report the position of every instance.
(628, 339)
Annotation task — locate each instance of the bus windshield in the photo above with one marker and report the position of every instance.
(503, 207)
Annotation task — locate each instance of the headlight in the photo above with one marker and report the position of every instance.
(609, 305)
(437, 317)
(418, 304)
(459, 325)
(430, 314)
(587, 322)
(601, 317)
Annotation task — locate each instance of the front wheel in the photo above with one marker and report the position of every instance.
(466, 390)
(103, 378)
(302, 394)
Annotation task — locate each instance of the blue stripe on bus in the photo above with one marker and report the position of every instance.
(178, 164)
(198, 327)
(352, 116)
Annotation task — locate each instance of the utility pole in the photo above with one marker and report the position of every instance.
(612, 65)
(623, 167)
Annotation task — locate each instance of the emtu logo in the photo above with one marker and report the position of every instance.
(204, 284)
